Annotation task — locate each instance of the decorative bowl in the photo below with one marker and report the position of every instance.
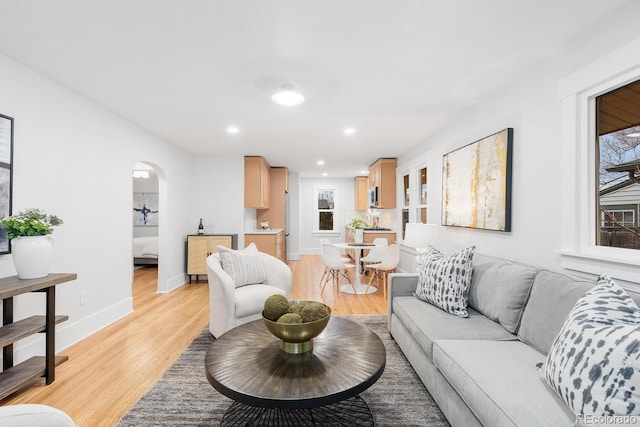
(298, 337)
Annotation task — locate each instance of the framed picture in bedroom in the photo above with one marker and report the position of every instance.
(6, 175)
(476, 184)
(145, 209)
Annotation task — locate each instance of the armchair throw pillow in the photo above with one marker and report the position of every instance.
(444, 280)
(594, 362)
(243, 266)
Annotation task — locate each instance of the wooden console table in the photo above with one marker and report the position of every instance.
(14, 378)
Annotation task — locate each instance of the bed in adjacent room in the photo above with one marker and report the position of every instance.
(145, 250)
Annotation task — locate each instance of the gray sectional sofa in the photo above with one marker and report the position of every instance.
(481, 370)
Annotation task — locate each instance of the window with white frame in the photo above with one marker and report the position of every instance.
(617, 164)
(580, 178)
(325, 207)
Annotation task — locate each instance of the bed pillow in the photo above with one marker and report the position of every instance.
(594, 362)
(444, 280)
(243, 266)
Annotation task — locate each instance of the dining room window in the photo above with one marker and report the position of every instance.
(421, 213)
(617, 154)
(325, 204)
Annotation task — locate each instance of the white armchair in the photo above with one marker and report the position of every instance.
(230, 306)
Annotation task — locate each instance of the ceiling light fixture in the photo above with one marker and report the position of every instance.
(140, 174)
(233, 129)
(287, 96)
(320, 162)
(349, 131)
(324, 174)
(633, 135)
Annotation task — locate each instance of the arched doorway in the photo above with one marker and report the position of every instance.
(149, 203)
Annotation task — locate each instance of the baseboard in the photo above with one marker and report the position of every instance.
(174, 283)
(72, 332)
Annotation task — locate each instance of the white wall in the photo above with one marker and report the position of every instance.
(532, 107)
(217, 195)
(74, 159)
(310, 242)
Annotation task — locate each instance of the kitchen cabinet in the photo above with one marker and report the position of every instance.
(382, 174)
(362, 193)
(257, 184)
(270, 242)
(14, 378)
(200, 246)
(276, 214)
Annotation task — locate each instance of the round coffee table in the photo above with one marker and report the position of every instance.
(320, 387)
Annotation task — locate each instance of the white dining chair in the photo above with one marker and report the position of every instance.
(375, 254)
(344, 257)
(335, 267)
(381, 270)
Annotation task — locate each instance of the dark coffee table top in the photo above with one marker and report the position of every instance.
(247, 365)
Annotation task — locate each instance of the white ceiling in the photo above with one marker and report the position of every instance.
(396, 70)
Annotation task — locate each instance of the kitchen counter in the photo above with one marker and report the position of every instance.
(373, 230)
(267, 231)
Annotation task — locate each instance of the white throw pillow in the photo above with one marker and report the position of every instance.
(243, 266)
(594, 362)
(444, 280)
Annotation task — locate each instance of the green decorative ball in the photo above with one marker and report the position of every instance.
(314, 311)
(290, 319)
(275, 306)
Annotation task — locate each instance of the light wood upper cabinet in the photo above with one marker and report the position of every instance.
(362, 189)
(382, 174)
(256, 183)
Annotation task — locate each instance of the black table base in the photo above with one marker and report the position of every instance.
(350, 412)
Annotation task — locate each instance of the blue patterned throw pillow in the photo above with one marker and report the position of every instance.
(594, 362)
(444, 280)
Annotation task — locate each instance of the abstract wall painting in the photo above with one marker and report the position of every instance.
(145, 209)
(6, 172)
(476, 184)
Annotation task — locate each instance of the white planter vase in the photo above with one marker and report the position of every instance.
(358, 235)
(32, 256)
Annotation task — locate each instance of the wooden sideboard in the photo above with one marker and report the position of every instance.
(29, 372)
(200, 246)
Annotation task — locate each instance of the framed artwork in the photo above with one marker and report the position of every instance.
(145, 209)
(476, 184)
(6, 174)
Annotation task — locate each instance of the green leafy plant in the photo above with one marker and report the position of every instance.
(358, 222)
(30, 222)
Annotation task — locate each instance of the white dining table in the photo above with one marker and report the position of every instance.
(361, 288)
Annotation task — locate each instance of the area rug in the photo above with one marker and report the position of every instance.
(184, 397)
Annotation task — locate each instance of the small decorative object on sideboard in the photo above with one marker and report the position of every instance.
(296, 323)
(201, 227)
(31, 243)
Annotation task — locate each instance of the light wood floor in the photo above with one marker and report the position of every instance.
(109, 371)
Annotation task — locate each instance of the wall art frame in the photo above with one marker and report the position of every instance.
(476, 184)
(145, 209)
(6, 178)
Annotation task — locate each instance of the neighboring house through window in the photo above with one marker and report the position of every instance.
(325, 204)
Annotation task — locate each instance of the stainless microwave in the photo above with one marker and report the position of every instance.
(373, 196)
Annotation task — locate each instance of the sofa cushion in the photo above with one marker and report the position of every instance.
(444, 280)
(594, 362)
(499, 289)
(243, 266)
(500, 383)
(250, 299)
(552, 297)
(427, 323)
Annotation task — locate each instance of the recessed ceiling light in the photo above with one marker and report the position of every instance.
(288, 96)
(364, 172)
(233, 129)
(324, 174)
(320, 162)
(349, 131)
(633, 135)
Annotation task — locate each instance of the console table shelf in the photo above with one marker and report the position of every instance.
(14, 378)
